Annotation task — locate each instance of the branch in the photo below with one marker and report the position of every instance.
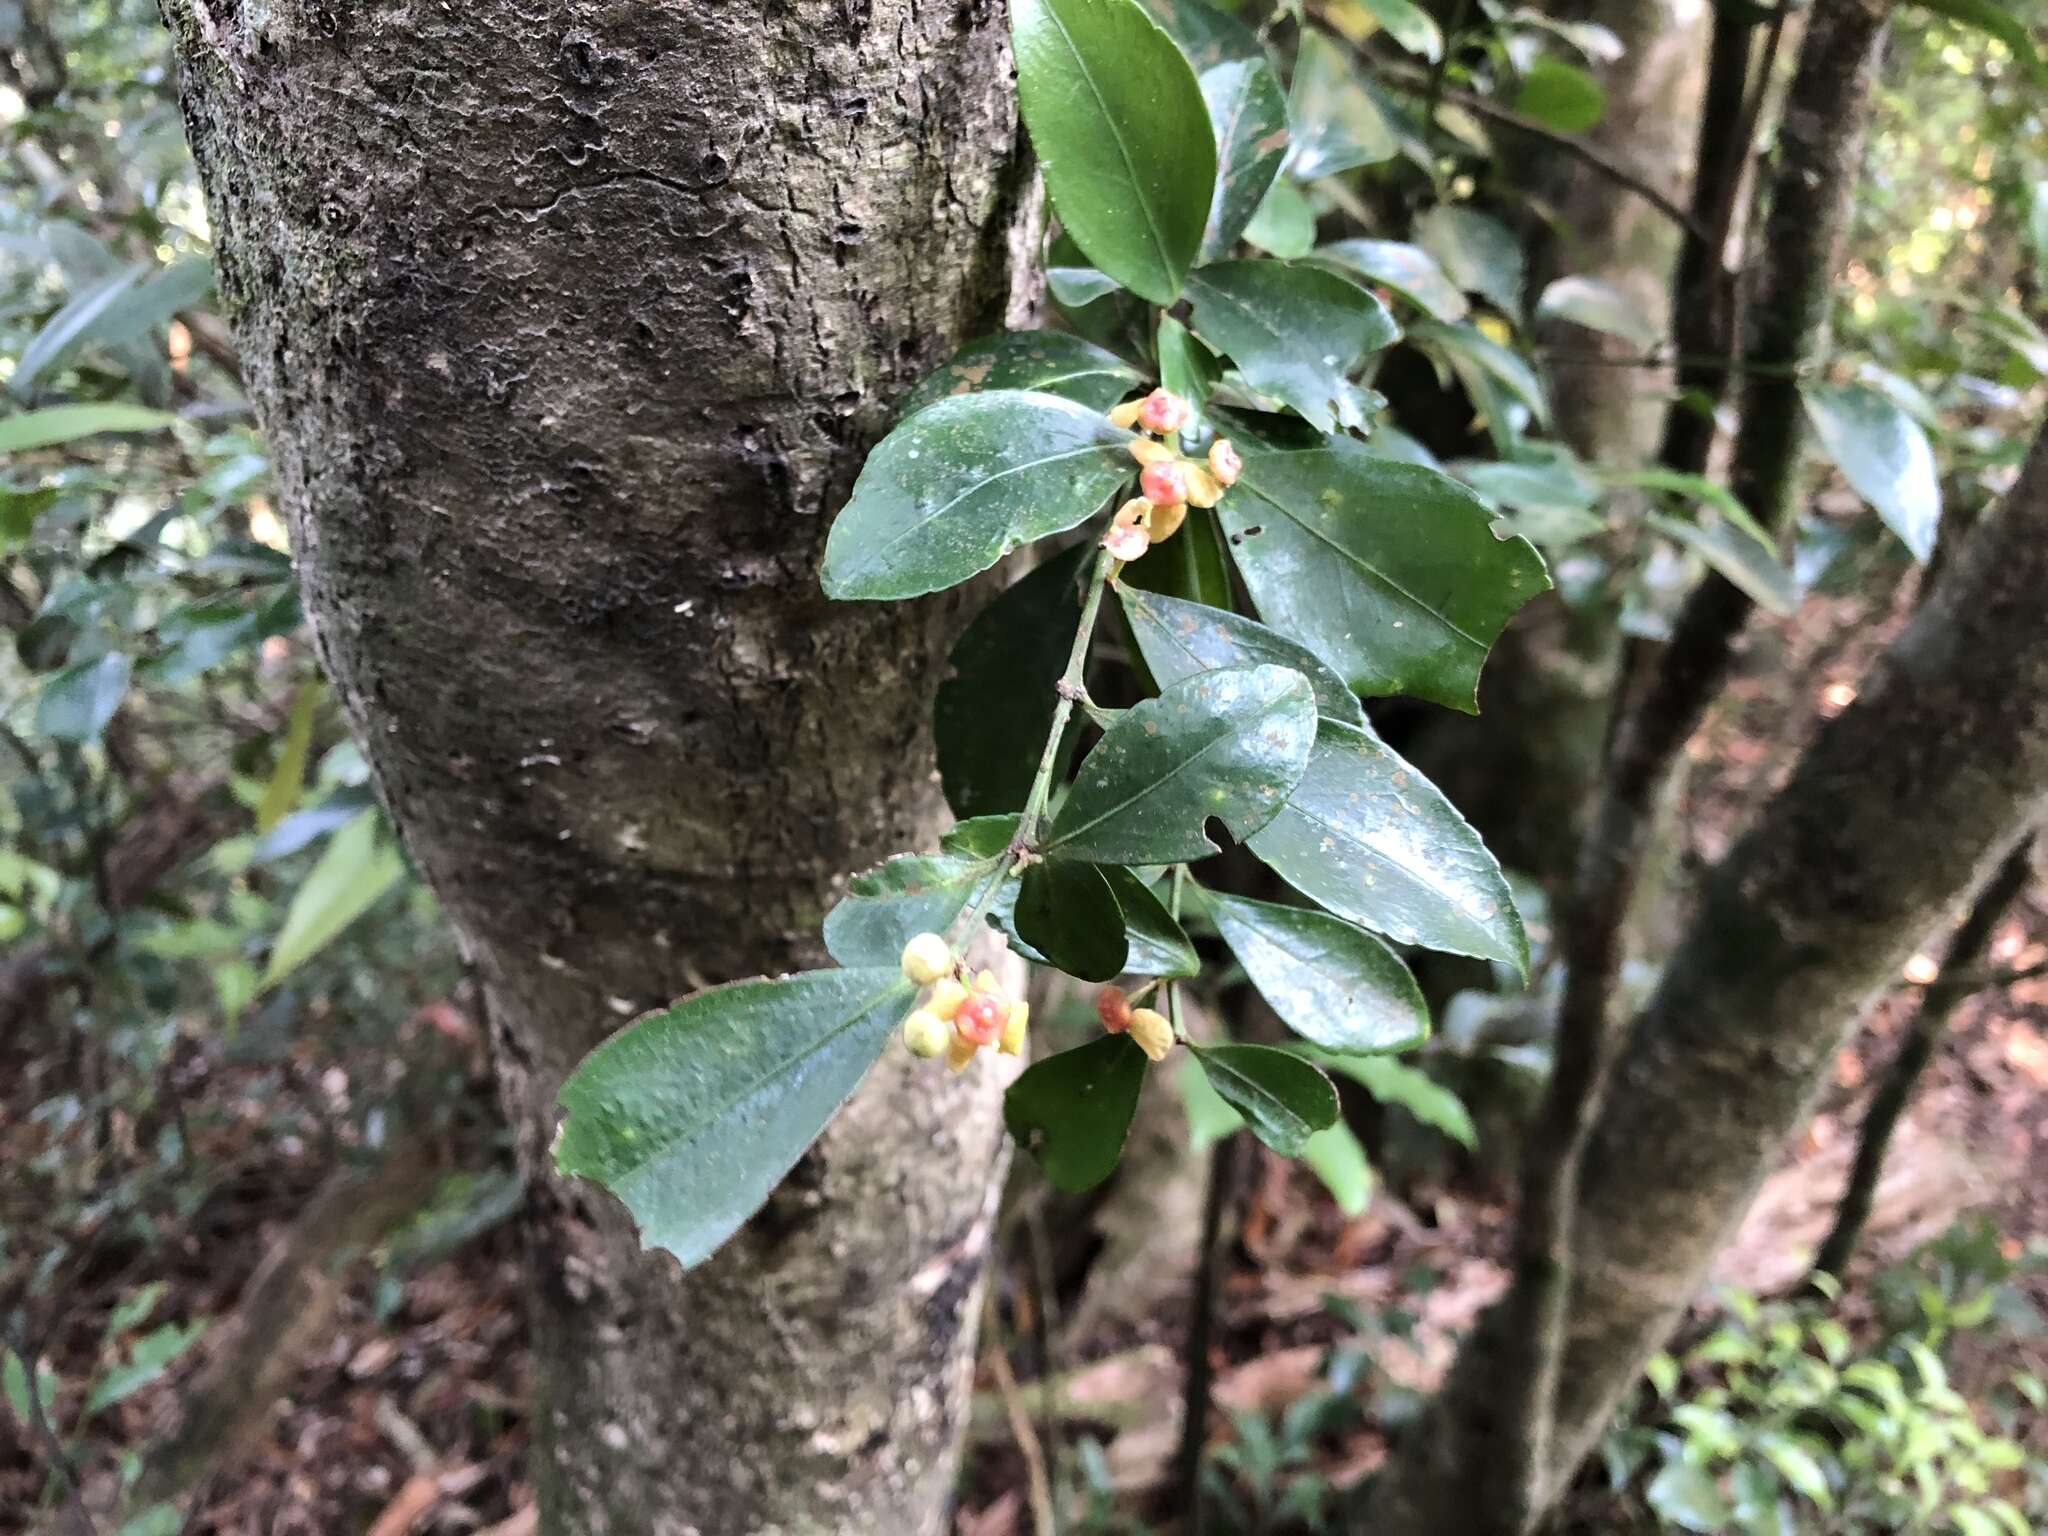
(1428, 84)
(1958, 980)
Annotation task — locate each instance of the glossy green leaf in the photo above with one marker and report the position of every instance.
(1689, 1498)
(1248, 113)
(1884, 454)
(884, 908)
(148, 1358)
(1207, 34)
(1330, 981)
(1407, 269)
(67, 423)
(1598, 306)
(1066, 912)
(1285, 223)
(1389, 571)
(1496, 378)
(1738, 555)
(1182, 639)
(288, 778)
(1229, 744)
(1560, 96)
(1158, 946)
(354, 870)
(1337, 1158)
(1072, 1111)
(1338, 123)
(1210, 1119)
(1187, 366)
(1122, 135)
(65, 331)
(1296, 333)
(1190, 565)
(692, 1115)
(994, 708)
(1409, 25)
(980, 837)
(1283, 1098)
(965, 481)
(1412, 1089)
(1476, 251)
(1050, 362)
(77, 703)
(1368, 837)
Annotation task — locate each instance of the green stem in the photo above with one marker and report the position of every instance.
(1069, 689)
(1180, 875)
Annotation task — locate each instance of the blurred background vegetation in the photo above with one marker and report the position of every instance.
(228, 1009)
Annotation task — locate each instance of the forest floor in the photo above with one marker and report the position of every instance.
(404, 1410)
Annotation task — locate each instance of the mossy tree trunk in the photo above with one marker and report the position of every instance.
(568, 327)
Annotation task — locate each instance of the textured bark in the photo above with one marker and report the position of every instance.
(569, 326)
(1899, 809)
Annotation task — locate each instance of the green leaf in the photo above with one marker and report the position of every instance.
(1410, 1088)
(1884, 454)
(152, 1355)
(353, 871)
(692, 1115)
(1688, 1498)
(1049, 362)
(1407, 269)
(66, 330)
(1551, 499)
(1995, 20)
(1122, 135)
(1283, 1098)
(980, 837)
(1598, 306)
(1207, 35)
(994, 708)
(1191, 565)
(1067, 913)
(288, 779)
(965, 481)
(1368, 837)
(1560, 96)
(1409, 25)
(1285, 224)
(1798, 1466)
(1186, 365)
(1182, 639)
(1158, 946)
(1492, 375)
(1248, 113)
(77, 703)
(1752, 565)
(1295, 332)
(68, 423)
(884, 908)
(1072, 1111)
(1229, 744)
(1330, 981)
(1338, 123)
(1389, 571)
(14, 1383)
(1336, 1157)
(1210, 1119)
(1479, 253)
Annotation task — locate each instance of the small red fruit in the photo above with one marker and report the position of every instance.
(1114, 1009)
(980, 1019)
(1165, 484)
(1162, 411)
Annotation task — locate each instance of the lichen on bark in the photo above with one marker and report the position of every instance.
(568, 327)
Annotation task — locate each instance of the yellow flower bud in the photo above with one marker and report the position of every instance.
(946, 998)
(1166, 521)
(1148, 451)
(1203, 491)
(960, 1052)
(985, 981)
(926, 1035)
(1012, 1043)
(926, 958)
(1126, 415)
(1154, 1035)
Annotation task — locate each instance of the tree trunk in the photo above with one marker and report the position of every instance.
(569, 328)
(1893, 815)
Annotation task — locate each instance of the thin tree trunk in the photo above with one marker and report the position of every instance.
(569, 328)
(1956, 982)
(1900, 807)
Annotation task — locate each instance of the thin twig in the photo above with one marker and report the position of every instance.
(1037, 1484)
(1194, 1429)
(1584, 150)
